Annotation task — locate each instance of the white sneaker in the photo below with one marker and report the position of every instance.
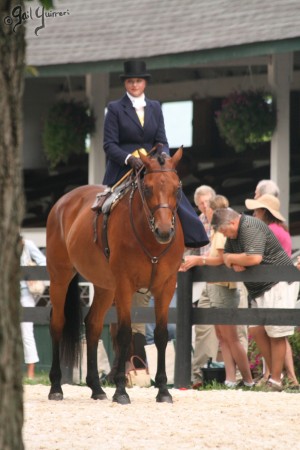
(273, 386)
(230, 384)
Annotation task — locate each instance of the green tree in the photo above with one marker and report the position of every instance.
(12, 57)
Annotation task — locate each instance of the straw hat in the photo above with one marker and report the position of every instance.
(268, 202)
(135, 69)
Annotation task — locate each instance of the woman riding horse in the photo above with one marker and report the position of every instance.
(144, 236)
(135, 122)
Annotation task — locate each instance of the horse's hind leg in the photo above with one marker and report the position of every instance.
(61, 294)
(102, 301)
(57, 321)
(124, 339)
(56, 392)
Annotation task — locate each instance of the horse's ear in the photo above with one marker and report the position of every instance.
(177, 156)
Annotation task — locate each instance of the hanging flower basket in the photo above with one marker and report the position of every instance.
(67, 126)
(246, 119)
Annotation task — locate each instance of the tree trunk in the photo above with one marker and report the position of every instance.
(12, 54)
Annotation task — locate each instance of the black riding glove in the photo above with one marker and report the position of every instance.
(135, 163)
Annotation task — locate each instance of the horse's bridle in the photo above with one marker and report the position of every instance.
(138, 184)
(150, 212)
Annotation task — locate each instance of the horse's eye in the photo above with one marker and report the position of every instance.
(148, 191)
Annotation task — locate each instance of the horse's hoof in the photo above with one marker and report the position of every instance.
(122, 399)
(164, 398)
(99, 396)
(55, 396)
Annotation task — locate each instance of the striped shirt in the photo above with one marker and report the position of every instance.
(255, 238)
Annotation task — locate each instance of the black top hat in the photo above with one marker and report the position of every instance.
(135, 69)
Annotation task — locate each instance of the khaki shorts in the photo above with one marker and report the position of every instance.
(140, 299)
(222, 296)
(282, 295)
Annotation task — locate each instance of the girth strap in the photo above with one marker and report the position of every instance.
(104, 236)
(95, 222)
(104, 232)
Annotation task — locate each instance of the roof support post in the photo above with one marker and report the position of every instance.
(97, 86)
(280, 69)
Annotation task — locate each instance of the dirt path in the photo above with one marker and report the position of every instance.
(219, 419)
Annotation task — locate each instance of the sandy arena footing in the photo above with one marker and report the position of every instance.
(216, 419)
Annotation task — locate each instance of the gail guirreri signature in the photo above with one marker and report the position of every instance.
(18, 16)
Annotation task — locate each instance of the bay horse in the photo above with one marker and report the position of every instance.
(146, 244)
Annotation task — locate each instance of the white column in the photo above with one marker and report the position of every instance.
(280, 71)
(97, 89)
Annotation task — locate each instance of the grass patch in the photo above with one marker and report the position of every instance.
(214, 385)
(40, 378)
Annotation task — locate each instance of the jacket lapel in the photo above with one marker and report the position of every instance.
(147, 112)
(130, 111)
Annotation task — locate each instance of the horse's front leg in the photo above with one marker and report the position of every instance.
(124, 337)
(94, 326)
(162, 300)
(161, 339)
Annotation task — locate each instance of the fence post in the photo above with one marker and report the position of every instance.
(183, 329)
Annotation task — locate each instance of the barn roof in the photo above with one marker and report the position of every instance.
(105, 32)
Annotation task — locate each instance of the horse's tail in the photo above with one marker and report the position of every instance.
(70, 343)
